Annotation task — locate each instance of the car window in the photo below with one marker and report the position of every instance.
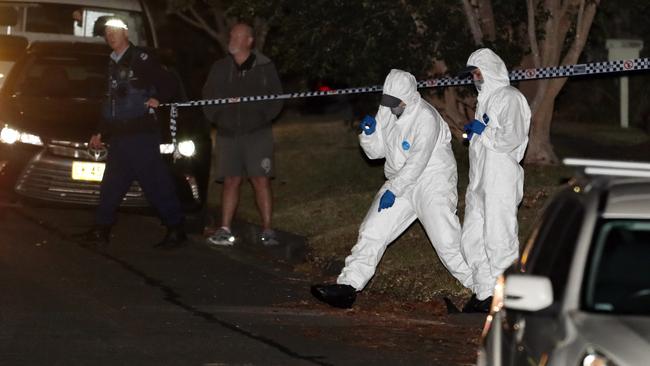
(618, 275)
(74, 20)
(13, 48)
(82, 76)
(553, 243)
(49, 18)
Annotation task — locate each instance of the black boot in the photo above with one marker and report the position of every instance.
(451, 307)
(474, 305)
(99, 235)
(339, 296)
(174, 238)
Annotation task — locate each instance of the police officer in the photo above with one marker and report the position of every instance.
(137, 83)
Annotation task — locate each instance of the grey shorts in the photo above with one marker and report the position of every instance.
(249, 155)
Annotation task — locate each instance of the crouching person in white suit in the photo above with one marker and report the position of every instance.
(421, 184)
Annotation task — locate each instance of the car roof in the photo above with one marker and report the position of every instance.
(625, 185)
(133, 5)
(628, 198)
(76, 48)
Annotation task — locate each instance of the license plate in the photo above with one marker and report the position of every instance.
(82, 170)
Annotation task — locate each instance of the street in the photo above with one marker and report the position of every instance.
(64, 303)
(359, 183)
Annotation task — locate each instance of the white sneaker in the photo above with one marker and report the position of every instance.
(268, 238)
(222, 237)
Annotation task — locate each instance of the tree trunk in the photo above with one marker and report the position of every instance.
(577, 13)
(540, 150)
(453, 108)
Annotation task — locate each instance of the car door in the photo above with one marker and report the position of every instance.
(529, 337)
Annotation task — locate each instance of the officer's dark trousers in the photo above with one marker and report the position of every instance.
(137, 157)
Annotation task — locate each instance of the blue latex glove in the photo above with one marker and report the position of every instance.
(368, 124)
(468, 132)
(475, 127)
(387, 200)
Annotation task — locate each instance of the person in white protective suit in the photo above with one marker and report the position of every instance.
(498, 137)
(421, 184)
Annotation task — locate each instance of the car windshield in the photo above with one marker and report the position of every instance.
(76, 76)
(72, 20)
(618, 277)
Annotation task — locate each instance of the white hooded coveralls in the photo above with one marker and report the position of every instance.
(421, 171)
(489, 238)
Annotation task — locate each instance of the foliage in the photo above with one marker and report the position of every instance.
(244, 10)
(358, 42)
(349, 42)
(354, 43)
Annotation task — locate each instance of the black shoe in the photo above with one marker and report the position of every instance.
(98, 235)
(174, 238)
(474, 305)
(339, 296)
(451, 307)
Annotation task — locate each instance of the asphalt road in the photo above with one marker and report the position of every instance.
(64, 303)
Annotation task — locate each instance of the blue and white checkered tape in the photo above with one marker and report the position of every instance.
(593, 68)
(515, 75)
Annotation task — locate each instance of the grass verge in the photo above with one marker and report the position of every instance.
(325, 184)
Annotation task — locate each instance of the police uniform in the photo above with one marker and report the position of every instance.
(134, 137)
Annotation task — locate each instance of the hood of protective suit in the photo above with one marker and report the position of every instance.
(493, 69)
(401, 84)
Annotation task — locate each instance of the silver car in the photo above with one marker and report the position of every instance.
(580, 293)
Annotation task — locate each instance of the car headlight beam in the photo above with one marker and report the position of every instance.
(166, 149)
(10, 136)
(187, 148)
(28, 138)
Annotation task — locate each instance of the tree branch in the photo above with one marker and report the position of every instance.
(472, 20)
(193, 22)
(532, 33)
(554, 36)
(488, 26)
(261, 29)
(540, 90)
(187, 19)
(584, 19)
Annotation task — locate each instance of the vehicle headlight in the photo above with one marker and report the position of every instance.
(187, 148)
(28, 138)
(592, 358)
(10, 136)
(166, 149)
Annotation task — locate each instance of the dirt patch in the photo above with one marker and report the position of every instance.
(418, 329)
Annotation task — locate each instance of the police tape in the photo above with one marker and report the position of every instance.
(604, 67)
(516, 75)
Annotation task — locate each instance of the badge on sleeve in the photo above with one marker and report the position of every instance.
(144, 56)
(406, 145)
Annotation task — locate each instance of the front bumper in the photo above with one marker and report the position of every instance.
(45, 175)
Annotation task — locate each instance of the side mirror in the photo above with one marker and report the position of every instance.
(528, 293)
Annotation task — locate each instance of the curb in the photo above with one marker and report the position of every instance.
(291, 251)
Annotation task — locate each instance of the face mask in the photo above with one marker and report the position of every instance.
(397, 111)
(478, 84)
